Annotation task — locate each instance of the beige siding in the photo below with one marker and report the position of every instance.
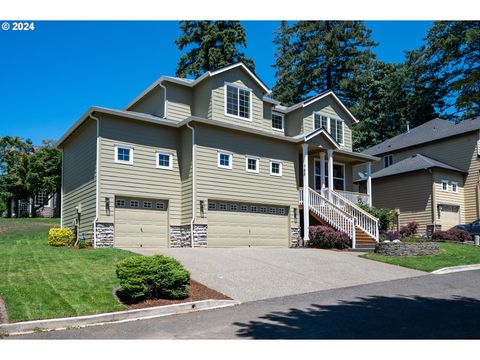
(202, 99)
(411, 193)
(143, 178)
(449, 197)
(294, 123)
(239, 76)
(179, 101)
(152, 103)
(79, 182)
(185, 164)
(237, 184)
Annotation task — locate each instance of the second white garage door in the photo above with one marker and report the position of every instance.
(231, 225)
(140, 222)
(449, 216)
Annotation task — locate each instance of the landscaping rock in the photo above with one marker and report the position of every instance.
(407, 249)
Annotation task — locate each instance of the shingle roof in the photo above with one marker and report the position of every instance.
(413, 163)
(433, 130)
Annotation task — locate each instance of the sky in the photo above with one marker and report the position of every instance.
(50, 76)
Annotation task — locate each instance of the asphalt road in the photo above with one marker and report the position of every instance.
(426, 307)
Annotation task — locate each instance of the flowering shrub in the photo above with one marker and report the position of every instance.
(325, 237)
(390, 235)
(454, 234)
(409, 229)
(60, 237)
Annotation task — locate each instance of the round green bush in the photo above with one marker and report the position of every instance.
(153, 277)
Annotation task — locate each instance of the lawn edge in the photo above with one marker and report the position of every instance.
(113, 317)
(452, 269)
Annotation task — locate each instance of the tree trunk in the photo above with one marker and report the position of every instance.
(9, 207)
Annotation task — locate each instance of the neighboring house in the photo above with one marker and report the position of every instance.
(46, 205)
(430, 174)
(213, 161)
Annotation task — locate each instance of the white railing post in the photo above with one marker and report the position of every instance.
(369, 183)
(322, 170)
(330, 174)
(306, 196)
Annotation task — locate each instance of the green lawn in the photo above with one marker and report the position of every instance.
(38, 281)
(450, 255)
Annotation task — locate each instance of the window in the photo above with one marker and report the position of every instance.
(251, 164)
(253, 209)
(338, 175)
(134, 203)
(237, 101)
(120, 203)
(454, 186)
(387, 160)
(164, 160)
(275, 168)
(318, 175)
(233, 207)
(281, 211)
(277, 121)
(212, 206)
(334, 126)
(263, 210)
(160, 206)
(273, 210)
(147, 204)
(224, 160)
(123, 154)
(444, 185)
(41, 199)
(243, 208)
(223, 206)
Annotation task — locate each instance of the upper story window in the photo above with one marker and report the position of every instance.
(333, 125)
(42, 199)
(251, 164)
(164, 160)
(277, 121)
(387, 160)
(444, 185)
(224, 160)
(276, 168)
(238, 101)
(454, 186)
(123, 154)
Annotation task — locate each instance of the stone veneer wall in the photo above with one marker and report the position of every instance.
(180, 236)
(104, 235)
(294, 237)
(407, 249)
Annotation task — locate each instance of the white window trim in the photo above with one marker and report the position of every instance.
(329, 117)
(170, 160)
(135, 207)
(257, 159)
(456, 185)
(386, 157)
(230, 161)
(225, 101)
(283, 121)
(147, 202)
(123, 161)
(443, 181)
(281, 167)
(122, 206)
(326, 174)
(159, 206)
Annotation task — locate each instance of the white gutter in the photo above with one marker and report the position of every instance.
(193, 183)
(97, 187)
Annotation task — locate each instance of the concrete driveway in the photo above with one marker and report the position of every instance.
(248, 274)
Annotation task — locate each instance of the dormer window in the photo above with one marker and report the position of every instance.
(333, 125)
(238, 101)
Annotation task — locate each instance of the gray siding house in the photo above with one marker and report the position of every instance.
(213, 161)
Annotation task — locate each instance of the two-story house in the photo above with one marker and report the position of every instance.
(213, 161)
(430, 174)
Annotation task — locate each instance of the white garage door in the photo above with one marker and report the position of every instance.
(449, 216)
(231, 225)
(140, 222)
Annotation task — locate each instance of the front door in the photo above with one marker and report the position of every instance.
(338, 175)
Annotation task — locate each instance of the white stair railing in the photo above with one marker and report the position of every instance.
(330, 213)
(364, 220)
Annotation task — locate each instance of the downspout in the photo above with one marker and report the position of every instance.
(434, 200)
(61, 195)
(164, 99)
(193, 184)
(97, 186)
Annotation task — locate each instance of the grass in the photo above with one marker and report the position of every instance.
(38, 281)
(450, 255)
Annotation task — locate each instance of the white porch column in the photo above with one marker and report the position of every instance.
(322, 170)
(369, 183)
(330, 174)
(306, 204)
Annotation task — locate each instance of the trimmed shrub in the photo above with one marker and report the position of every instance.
(454, 234)
(325, 237)
(153, 277)
(82, 244)
(60, 237)
(409, 229)
(385, 216)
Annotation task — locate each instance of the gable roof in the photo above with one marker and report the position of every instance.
(413, 163)
(192, 83)
(432, 130)
(312, 134)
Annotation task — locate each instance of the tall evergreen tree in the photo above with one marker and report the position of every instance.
(210, 45)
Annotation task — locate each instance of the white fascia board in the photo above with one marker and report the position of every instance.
(252, 75)
(321, 131)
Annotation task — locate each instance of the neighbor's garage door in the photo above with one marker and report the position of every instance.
(449, 216)
(247, 225)
(140, 222)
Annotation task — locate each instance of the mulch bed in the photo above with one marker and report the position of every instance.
(197, 292)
